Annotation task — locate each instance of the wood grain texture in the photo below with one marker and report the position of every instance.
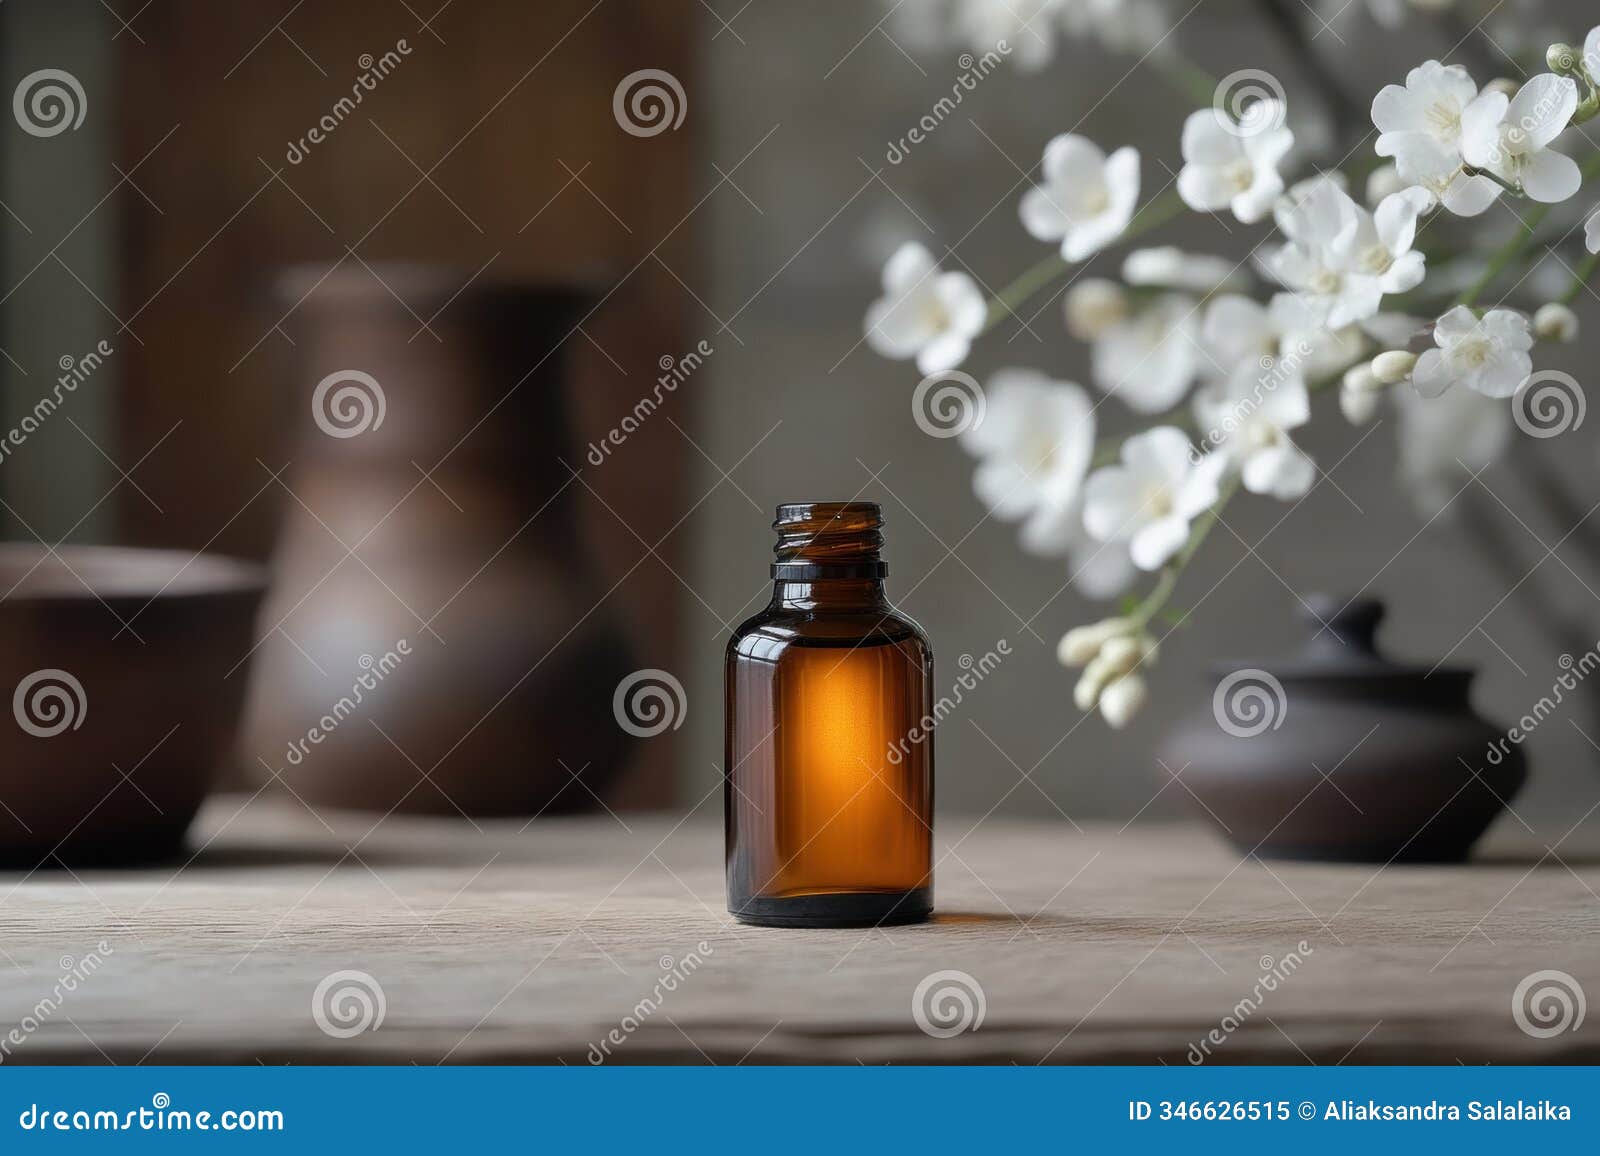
(529, 945)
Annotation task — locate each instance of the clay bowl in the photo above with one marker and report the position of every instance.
(122, 676)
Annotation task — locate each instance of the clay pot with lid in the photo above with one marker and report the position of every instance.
(1338, 753)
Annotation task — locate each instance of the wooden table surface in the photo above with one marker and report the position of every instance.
(532, 945)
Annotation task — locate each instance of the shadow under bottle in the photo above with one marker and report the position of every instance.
(829, 772)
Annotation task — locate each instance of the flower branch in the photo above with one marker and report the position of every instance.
(1219, 359)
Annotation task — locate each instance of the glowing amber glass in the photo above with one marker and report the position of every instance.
(829, 778)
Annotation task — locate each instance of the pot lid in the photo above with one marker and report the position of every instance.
(1341, 643)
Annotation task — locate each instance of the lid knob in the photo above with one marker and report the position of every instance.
(1347, 626)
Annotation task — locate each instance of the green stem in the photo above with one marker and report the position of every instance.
(1153, 602)
(1580, 277)
(1503, 256)
(1005, 303)
(1521, 243)
(1153, 215)
(1184, 77)
(1471, 171)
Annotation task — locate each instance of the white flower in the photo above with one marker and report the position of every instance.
(1149, 499)
(1488, 355)
(1172, 268)
(1092, 306)
(1087, 198)
(1420, 127)
(1137, 26)
(1379, 254)
(1034, 445)
(1025, 26)
(1342, 259)
(1233, 166)
(1321, 225)
(1150, 359)
(1288, 329)
(1238, 329)
(1382, 181)
(1097, 569)
(1388, 13)
(1591, 233)
(925, 313)
(1510, 138)
(1429, 105)
(1247, 416)
(1442, 437)
(1034, 442)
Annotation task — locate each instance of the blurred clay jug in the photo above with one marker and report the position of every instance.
(433, 641)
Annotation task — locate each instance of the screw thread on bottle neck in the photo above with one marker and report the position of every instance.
(821, 540)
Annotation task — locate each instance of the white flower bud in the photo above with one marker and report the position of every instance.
(1094, 305)
(1359, 379)
(1385, 179)
(1393, 366)
(1082, 643)
(1555, 322)
(1120, 701)
(1118, 657)
(1087, 691)
(1358, 405)
(1502, 84)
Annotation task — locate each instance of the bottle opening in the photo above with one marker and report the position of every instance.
(828, 540)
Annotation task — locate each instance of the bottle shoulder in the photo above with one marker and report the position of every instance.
(782, 627)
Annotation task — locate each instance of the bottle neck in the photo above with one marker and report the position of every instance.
(842, 595)
(827, 557)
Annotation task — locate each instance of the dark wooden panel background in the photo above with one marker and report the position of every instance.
(507, 109)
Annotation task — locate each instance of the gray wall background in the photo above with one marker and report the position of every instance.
(794, 254)
(49, 185)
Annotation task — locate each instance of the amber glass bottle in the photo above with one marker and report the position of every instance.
(829, 773)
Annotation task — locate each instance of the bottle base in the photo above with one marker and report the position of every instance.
(838, 909)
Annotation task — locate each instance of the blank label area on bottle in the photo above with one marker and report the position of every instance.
(843, 816)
